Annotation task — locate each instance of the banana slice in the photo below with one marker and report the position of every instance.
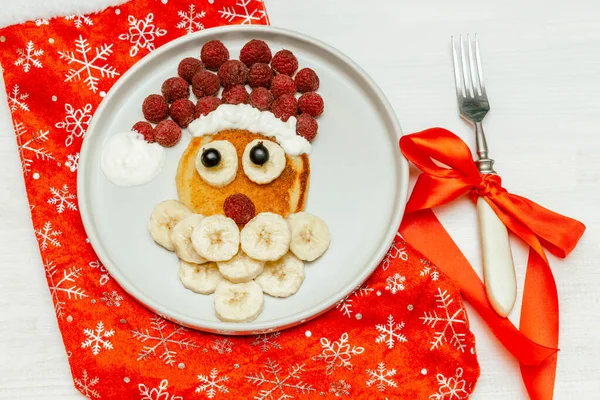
(240, 268)
(201, 279)
(182, 242)
(271, 169)
(238, 302)
(266, 237)
(310, 236)
(223, 173)
(164, 217)
(282, 278)
(216, 238)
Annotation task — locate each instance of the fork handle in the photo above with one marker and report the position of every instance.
(498, 268)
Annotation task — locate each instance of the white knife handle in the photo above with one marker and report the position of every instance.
(498, 267)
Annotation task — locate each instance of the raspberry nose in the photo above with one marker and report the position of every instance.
(239, 208)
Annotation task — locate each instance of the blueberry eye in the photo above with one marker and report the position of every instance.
(259, 154)
(211, 158)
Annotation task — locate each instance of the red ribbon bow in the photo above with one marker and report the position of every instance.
(535, 344)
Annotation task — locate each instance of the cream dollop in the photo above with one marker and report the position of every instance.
(244, 116)
(128, 160)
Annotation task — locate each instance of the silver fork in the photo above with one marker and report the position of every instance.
(473, 104)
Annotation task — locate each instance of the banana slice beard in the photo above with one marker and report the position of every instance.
(310, 236)
(164, 217)
(201, 279)
(266, 237)
(282, 278)
(216, 238)
(269, 171)
(182, 242)
(224, 173)
(238, 302)
(240, 268)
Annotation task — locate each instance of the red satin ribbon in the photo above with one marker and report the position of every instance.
(535, 345)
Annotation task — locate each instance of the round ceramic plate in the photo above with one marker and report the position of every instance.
(358, 185)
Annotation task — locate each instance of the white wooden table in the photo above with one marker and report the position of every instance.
(542, 65)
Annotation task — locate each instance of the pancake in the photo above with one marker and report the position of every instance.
(283, 196)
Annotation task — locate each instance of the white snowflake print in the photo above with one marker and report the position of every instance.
(76, 122)
(222, 346)
(337, 353)
(449, 324)
(86, 386)
(157, 393)
(62, 199)
(41, 21)
(97, 338)
(395, 283)
(190, 20)
(381, 377)
(47, 236)
(16, 100)
(80, 20)
(243, 13)
(141, 34)
(86, 64)
(429, 270)
(277, 385)
(161, 339)
(63, 287)
(104, 276)
(211, 384)
(345, 305)
(450, 388)
(30, 147)
(396, 251)
(390, 332)
(339, 388)
(266, 341)
(111, 299)
(72, 162)
(29, 57)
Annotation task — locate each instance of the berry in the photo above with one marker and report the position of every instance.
(188, 67)
(233, 72)
(235, 95)
(307, 126)
(311, 103)
(285, 106)
(239, 208)
(206, 105)
(205, 83)
(182, 112)
(145, 129)
(307, 80)
(282, 84)
(261, 98)
(167, 133)
(214, 54)
(259, 154)
(260, 75)
(284, 62)
(210, 157)
(175, 88)
(155, 108)
(255, 51)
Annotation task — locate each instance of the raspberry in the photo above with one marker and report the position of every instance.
(205, 83)
(145, 129)
(261, 98)
(235, 95)
(175, 88)
(307, 80)
(188, 67)
(239, 208)
(214, 54)
(255, 51)
(306, 126)
(285, 106)
(311, 103)
(206, 105)
(233, 72)
(282, 84)
(155, 108)
(260, 75)
(182, 112)
(284, 62)
(167, 133)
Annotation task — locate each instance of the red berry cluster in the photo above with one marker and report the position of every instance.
(270, 77)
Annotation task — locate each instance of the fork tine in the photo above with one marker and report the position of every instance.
(465, 67)
(472, 69)
(479, 70)
(460, 89)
